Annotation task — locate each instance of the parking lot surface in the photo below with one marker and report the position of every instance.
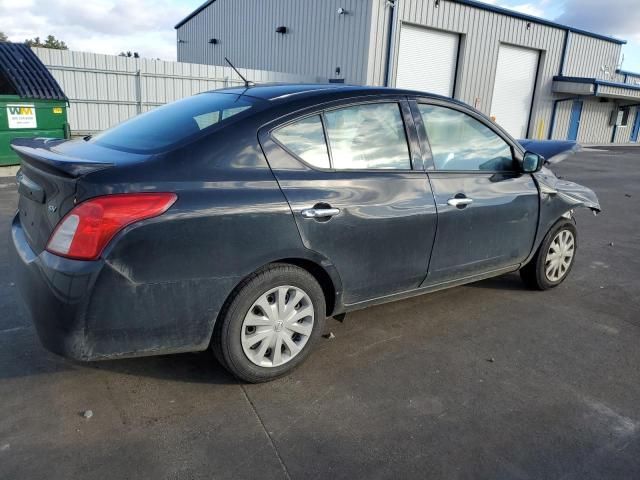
(488, 380)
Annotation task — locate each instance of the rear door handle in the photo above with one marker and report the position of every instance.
(460, 202)
(319, 212)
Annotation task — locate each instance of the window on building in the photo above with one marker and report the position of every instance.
(306, 139)
(624, 116)
(460, 142)
(370, 136)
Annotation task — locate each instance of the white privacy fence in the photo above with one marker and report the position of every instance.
(104, 90)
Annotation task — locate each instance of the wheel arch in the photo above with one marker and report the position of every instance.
(549, 224)
(322, 276)
(322, 271)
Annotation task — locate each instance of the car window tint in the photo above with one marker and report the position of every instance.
(368, 136)
(306, 139)
(460, 142)
(169, 124)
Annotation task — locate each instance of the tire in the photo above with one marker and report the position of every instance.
(260, 308)
(535, 273)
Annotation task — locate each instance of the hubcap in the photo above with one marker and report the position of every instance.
(277, 326)
(559, 255)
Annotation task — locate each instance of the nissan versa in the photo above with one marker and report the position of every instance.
(239, 219)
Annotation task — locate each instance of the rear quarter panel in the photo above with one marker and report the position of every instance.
(166, 279)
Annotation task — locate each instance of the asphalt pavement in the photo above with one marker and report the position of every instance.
(485, 381)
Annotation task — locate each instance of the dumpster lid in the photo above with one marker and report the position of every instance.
(25, 74)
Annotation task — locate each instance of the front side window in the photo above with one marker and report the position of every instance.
(460, 142)
(370, 136)
(306, 139)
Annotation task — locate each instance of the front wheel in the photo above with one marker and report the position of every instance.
(554, 259)
(270, 324)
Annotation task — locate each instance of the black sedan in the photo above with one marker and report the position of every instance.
(239, 219)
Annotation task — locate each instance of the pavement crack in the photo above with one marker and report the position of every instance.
(116, 404)
(371, 345)
(264, 428)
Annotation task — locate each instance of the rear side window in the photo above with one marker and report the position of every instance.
(460, 142)
(172, 123)
(370, 136)
(306, 139)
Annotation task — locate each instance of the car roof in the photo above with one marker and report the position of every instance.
(280, 92)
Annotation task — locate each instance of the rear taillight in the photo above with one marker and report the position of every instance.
(89, 227)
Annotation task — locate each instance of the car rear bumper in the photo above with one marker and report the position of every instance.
(54, 290)
(93, 310)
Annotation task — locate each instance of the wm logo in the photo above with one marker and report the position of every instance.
(20, 110)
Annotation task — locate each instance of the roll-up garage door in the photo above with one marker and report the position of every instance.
(427, 60)
(513, 88)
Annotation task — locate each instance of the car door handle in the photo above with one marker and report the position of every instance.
(319, 212)
(460, 202)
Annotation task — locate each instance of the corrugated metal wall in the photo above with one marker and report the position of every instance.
(317, 41)
(591, 57)
(104, 90)
(594, 122)
(563, 114)
(628, 78)
(619, 91)
(623, 134)
(482, 33)
(631, 79)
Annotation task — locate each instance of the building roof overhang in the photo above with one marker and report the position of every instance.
(194, 13)
(594, 87)
(541, 21)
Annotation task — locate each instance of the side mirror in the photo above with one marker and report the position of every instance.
(532, 162)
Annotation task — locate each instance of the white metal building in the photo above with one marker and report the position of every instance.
(537, 78)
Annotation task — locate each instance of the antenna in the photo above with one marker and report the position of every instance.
(247, 83)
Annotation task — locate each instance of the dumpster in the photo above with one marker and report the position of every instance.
(32, 104)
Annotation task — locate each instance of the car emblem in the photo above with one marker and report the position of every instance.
(52, 208)
(279, 325)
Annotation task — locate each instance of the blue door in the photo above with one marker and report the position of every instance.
(636, 126)
(574, 121)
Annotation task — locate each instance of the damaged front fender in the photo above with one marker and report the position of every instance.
(567, 195)
(558, 199)
(571, 194)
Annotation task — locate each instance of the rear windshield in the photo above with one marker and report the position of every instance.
(172, 123)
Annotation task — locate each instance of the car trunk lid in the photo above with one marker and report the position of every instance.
(47, 184)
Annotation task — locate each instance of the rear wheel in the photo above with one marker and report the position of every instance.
(270, 324)
(554, 259)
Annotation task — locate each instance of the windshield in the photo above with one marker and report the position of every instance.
(174, 122)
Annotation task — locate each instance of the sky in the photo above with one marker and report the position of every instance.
(146, 26)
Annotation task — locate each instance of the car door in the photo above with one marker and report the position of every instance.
(354, 179)
(487, 207)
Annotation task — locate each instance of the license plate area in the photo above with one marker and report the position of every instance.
(44, 198)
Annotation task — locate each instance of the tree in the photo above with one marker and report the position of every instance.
(129, 54)
(3, 37)
(50, 42)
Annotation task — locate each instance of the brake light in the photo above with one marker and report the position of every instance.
(89, 227)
